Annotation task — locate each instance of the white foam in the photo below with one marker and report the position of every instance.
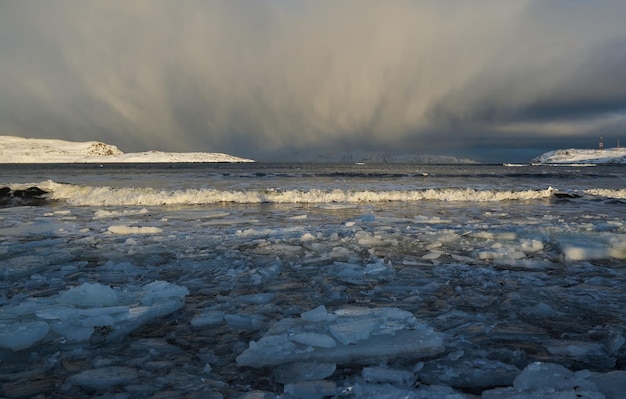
(108, 196)
(609, 193)
(106, 214)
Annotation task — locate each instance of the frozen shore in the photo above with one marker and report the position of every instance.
(24, 150)
(582, 156)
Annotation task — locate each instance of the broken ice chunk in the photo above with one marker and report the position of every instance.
(314, 339)
(538, 376)
(378, 391)
(158, 290)
(209, 318)
(244, 322)
(303, 371)
(104, 378)
(256, 299)
(56, 312)
(471, 370)
(88, 294)
(363, 334)
(611, 384)
(18, 336)
(382, 374)
(352, 332)
(70, 330)
(80, 313)
(591, 353)
(311, 389)
(315, 315)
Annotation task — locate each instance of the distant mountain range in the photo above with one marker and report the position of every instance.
(24, 150)
(372, 157)
(582, 156)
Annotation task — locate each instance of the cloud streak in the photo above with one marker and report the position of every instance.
(257, 78)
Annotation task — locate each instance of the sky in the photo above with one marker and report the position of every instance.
(490, 80)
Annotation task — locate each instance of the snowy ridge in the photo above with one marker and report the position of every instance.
(24, 150)
(582, 156)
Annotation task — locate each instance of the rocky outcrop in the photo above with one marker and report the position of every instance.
(22, 197)
(102, 149)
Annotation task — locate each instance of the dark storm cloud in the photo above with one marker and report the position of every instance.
(256, 77)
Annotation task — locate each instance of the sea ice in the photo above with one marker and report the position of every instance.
(88, 294)
(387, 375)
(256, 299)
(611, 384)
(310, 390)
(208, 318)
(351, 332)
(316, 315)
(303, 371)
(365, 335)
(26, 265)
(313, 339)
(244, 322)
(592, 353)
(89, 312)
(122, 229)
(468, 370)
(20, 336)
(159, 290)
(363, 390)
(104, 377)
(550, 381)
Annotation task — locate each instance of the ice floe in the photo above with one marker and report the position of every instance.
(350, 335)
(90, 312)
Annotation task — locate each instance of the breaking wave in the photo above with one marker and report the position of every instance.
(609, 193)
(82, 195)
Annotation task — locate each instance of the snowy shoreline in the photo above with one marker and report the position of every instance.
(24, 150)
(585, 157)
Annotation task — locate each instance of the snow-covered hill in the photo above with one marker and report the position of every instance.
(372, 157)
(583, 156)
(24, 150)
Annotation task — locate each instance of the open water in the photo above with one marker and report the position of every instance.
(508, 265)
